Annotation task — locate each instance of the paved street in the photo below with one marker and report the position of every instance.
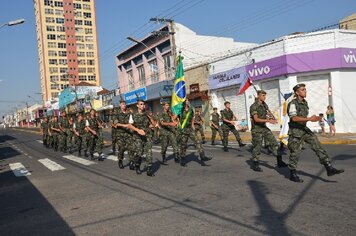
(61, 194)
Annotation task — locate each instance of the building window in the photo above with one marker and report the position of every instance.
(54, 78)
(82, 77)
(54, 86)
(88, 31)
(52, 45)
(52, 53)
(130, 80)
(49, 11)
(64, 77)
(61, 45)
(62, 53)
(61, 37)
(92, 77)
(59, 20)
(54, 95)
(154, 71)
(168, 63)
(49, 20)
(78, 30)
(50, 28)
(91, 62)
(60, 28)
(81, 54)
(77, 14)
(53, 62)
(77, 6)
(59, 12)
(80, 46)
(53, 70)
(141, 75)
(87, 15)
(91, 70)
(90, 54)
(63, 70)
(82, 70)
(58, 4)
(86, 0)
(79, 38)
(81, 62)
(86, 6)
(87, 22)
(48, 3)
(51, 36)
(89, 38)
(78, 22)
(89, 46)
(63, 61)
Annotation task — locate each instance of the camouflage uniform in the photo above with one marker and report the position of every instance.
(227, 127)
(80, 140)
(198, 126)
(123, 135)
(64, 137)
(215, 118)
(167, 134)
(94, 141)
(55, 135)
(186, 133)
(299, 133)
(114, 136)
(156, 130)
(142, 144)
(260, 131)
(45, 136)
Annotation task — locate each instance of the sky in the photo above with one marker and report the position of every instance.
(254, 21)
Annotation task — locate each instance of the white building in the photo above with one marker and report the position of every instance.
(325, 61)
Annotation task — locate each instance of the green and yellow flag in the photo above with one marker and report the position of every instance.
(178, 93)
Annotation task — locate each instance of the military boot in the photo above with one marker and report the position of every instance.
(176, 158)
(137, 168)
(205, 158)
(92, 156)
(212, 142)
(202, 159)
(225, 149)
(330, 170)
(164, 159)
(182, 161)
(280, 162)
(150, 171)
(294, 177)
(241, 144)
(132, 165)
(101, 157)
(256, 166)
(79, 153)
(121, 165)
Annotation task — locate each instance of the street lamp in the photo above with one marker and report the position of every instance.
(14, 22)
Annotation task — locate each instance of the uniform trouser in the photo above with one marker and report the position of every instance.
(295, 142)
(55, 140)
(226, 130)
(114, 139)
(95, 143)
(65, 139)
(166, 139)
(142, 145)
(81, 142)
(50, 140)
(214, 131)
(183, 140)
(124, 143)
(156, 134)
(257, 137)
(200, 131)
(45, 140)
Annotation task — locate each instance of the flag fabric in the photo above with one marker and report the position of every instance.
(184, 120)
(245, 84)
(283, 118)
(179, 91)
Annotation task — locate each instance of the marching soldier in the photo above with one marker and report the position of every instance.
(199, 124)
(55, 132)
(142, 124)
(80, 133)
(260, 116)
(92, 125)
(114, 135)
(156, 134)
(229, 120)
(64, 131)
(44, 132)
(215, 125)
(100, 140)
(299, 132)
(187, 131)
(167, 133)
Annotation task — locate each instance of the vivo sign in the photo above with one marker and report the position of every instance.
(257, 71)
(350, 58)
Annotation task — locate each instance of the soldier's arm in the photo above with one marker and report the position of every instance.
(292, 112)
(133, 128)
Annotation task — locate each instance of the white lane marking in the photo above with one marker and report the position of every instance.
(40, 141)
(111, 157)
(79, 160)
(53, 166)
(19, 170)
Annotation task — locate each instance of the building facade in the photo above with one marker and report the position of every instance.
(348, 22)
(67, 44)
(325, 61)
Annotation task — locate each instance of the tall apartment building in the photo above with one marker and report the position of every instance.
(67, 44)
(348, 22)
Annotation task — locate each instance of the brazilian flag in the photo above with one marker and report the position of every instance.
(179, 92)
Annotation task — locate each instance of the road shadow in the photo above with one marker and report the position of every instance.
(343, 157)
(25, 211)
(4, 138)
(8, 152)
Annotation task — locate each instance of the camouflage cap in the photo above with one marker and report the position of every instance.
(295, 88)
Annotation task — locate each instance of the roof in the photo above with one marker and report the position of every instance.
(104, 91)
(85, 84)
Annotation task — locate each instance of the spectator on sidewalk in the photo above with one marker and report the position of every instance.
(243, 125)
(331, 119)
(322, 124)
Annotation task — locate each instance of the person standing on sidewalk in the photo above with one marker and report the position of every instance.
(260, 116)
(229, 122)
(298, 111)
(330, 117)
(215, 125)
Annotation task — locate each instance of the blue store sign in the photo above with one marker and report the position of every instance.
(131, 97)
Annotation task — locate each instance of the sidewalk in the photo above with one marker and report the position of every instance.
(346, 138)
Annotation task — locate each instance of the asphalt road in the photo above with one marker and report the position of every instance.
(54, 195)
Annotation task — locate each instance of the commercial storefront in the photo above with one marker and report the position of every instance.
(329, 75)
